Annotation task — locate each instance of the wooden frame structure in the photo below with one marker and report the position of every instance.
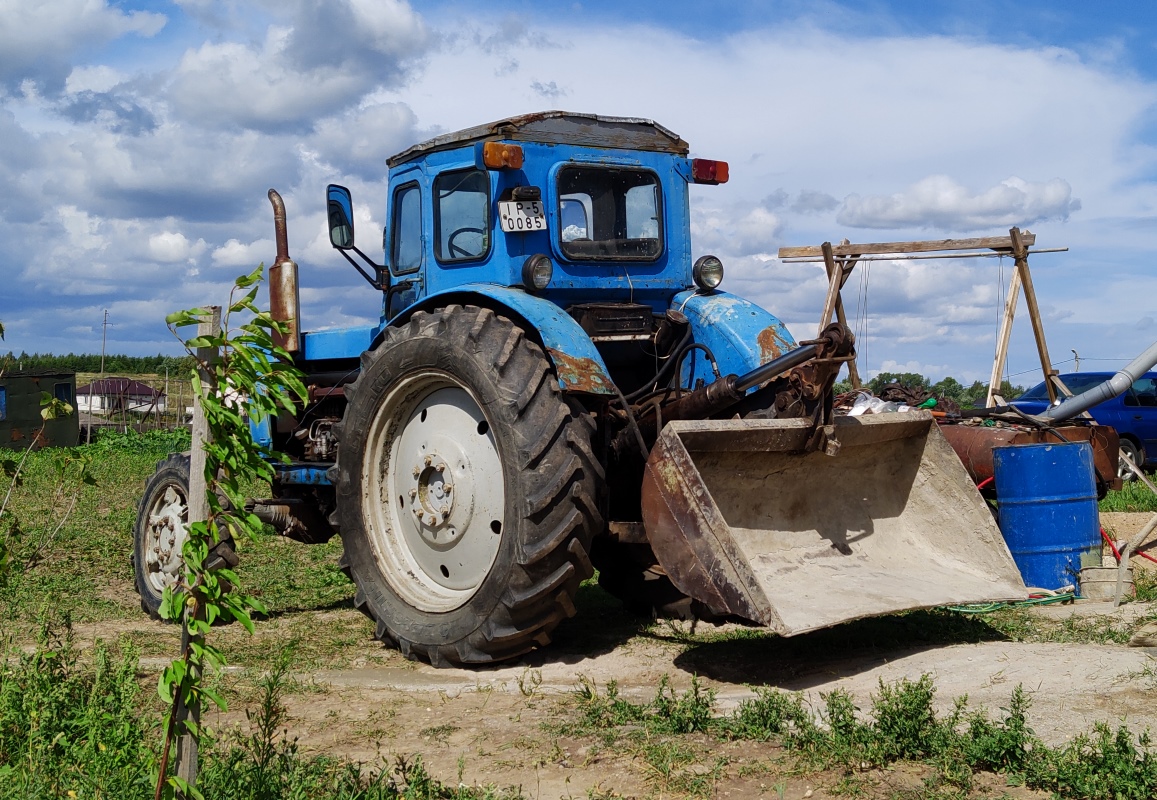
(841, 259)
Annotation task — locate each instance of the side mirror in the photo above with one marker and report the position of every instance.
(340, 207)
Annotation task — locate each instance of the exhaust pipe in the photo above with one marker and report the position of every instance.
(284, 297)
(1105, 391)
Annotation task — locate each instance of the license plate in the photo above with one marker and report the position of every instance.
(519, 216)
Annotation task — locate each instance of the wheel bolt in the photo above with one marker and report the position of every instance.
(417, 472)
(446, 487)
(413, 493)
(429, 460)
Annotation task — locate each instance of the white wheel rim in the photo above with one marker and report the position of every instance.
(433, 492)
(165, 535)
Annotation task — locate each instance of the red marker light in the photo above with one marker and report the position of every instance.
(705, 171)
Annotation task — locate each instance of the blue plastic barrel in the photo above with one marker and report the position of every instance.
(1048, 510)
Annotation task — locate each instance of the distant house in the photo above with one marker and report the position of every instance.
(20, 404)
(117, 395)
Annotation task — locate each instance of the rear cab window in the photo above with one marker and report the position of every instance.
(610, 213)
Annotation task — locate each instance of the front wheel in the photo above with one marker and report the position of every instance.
(1130, 449)
(160, 533)
(467, 489)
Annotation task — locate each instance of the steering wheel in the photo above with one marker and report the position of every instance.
(460, 252)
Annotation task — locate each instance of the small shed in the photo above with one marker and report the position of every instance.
(20, 420)
(117, 395)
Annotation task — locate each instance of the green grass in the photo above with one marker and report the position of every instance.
(87, 572)
(73, 726)
(1134, 496)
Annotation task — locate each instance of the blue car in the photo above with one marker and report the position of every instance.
(1133, 414)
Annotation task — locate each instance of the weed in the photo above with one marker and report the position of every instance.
(529, 682)
(439, 733)
(685, 713)
(1145, 580)
(66, 727)
(770, 713)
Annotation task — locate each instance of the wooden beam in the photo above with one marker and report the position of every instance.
(836, 279)
(1020, 252)
(1002, 338)
(929, 246)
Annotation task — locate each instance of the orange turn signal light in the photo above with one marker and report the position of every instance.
(705, 171)
(496, 155)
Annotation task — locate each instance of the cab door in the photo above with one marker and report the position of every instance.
(405, 247)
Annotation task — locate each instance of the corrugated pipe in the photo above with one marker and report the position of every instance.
(1104, 391)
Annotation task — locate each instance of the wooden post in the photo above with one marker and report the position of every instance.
(198, 505)
(1020, 252)
(835, 280)
(1002, 338)
(846, 268)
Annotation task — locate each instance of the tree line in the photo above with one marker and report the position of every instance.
(948, 388)
(116, 364)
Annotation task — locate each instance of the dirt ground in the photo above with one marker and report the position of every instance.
(491, 726)
(360, 701)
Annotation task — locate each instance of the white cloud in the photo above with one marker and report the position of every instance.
(360, 140)
(325, 57)
(95, 78)
(171, 247)
(235, 254)
(940, 202)
(152, 144)
(38, 40)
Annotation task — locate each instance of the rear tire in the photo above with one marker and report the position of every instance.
(484, 570)
(160, 532)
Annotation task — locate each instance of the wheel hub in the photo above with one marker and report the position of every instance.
(167, 532)
(441, 490)
(438, 508)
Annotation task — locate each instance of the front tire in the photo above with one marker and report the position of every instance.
(161, 530)
(467, 489)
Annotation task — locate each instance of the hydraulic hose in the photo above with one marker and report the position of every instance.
(1104, 391)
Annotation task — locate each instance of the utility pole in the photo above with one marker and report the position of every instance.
(1076, 358)
(103, 341)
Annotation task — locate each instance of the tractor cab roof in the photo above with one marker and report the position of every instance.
(557, 127)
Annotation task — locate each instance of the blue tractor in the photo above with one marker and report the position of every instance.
(555, 386)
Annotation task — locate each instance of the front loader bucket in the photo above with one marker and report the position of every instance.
(745, 521)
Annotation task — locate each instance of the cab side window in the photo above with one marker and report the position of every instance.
(462, 215)
(406, 253)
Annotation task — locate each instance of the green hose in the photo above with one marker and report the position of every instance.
(988, 608)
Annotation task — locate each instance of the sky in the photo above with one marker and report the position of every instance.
(138, 140)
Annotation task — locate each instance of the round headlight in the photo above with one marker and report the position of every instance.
(707, 272)
(537, 272)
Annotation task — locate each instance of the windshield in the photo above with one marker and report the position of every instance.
(1076, 384)
(609, 213)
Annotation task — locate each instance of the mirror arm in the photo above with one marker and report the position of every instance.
(374, 282)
